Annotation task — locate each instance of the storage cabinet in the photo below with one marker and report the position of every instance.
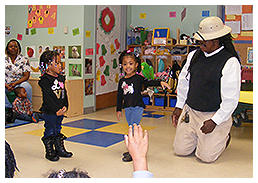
(168, 54)
(74, 92)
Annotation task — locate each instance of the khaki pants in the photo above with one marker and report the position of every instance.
(189, 136)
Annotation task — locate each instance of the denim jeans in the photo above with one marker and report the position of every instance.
(52, 124)
(133, 115)
(28, 89)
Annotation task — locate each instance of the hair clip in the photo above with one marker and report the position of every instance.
(128, 51)
(61, 173)
(136, 54)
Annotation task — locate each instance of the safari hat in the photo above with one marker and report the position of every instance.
(211, 28)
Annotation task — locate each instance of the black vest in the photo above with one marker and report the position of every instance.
(204, 86)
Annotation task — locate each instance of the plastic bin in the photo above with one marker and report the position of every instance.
(172, 102)
(159, 101)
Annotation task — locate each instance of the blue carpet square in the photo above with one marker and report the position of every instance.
(97, 138)
(153, 116)
(89, 124)
(149, 115)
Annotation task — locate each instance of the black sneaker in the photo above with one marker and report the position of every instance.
(127, 158)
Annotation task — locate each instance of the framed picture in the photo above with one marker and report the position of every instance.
(74, 52)
(75, 70)
(160, 36)
(88, 65)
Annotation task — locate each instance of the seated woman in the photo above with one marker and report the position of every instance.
(17, 71)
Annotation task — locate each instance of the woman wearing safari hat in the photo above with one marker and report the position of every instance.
(207, 93)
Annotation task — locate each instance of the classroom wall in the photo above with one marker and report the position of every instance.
(73, 16)
(157, 16)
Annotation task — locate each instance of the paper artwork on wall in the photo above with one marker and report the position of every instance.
(30, 51)
(88, 65)
(42, 16)
(60, 50)
(35, 67)
(74, 52)
(89, 86)
(107, 20)
(7, 31)
(75, 70)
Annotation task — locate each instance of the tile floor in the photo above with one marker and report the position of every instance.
(96, 140)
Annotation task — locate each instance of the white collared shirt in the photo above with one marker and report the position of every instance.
(230, 86)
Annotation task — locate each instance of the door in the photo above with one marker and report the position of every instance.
(108, 42)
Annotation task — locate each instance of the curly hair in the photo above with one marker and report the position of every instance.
(10, 163)
(75, 173)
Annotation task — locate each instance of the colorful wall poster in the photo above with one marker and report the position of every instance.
(42, 16)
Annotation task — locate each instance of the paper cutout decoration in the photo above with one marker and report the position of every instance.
(33, 31)
(101, 61)
(117, 44)
(98, 75)
(112, 49)
(117, 78)
(106, 71)
(76, 31)
(30, 51)
(114, 63)
(97, 48)
(42, 16)
(19, 37)
(51, 30)
(107, 20)
(103, 80)
(104, 50)
(183, 14)
(89, 51)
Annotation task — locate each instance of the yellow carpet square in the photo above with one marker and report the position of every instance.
(67, 131)
(121, 128)
(162, 113)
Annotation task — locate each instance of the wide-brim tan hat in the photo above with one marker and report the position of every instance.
(211, 28)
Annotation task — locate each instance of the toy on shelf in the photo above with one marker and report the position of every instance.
(147, 71)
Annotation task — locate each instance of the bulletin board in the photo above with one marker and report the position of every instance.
(240, 19)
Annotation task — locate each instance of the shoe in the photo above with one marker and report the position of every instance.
(59, 146)
(35, 117)
(49, 147)
(126, 154)
(229, 138)
(14, 117)
(127, 158)
(8, 115)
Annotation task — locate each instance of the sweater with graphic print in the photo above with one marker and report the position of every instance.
(54, 93)
(129, 91)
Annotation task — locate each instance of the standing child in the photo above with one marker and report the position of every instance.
(22, 107)
(54, 105)
(129, 91)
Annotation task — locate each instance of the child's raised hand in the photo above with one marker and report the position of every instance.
(164, 85)
(118, 115)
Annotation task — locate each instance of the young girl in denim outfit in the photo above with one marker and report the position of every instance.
(54, 105)
(129, 91)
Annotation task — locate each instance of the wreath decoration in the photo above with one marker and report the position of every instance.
(107, 20)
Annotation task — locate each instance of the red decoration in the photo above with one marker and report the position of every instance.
(103, 80)
(117, 44)
(107, 20)
(101, 61)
